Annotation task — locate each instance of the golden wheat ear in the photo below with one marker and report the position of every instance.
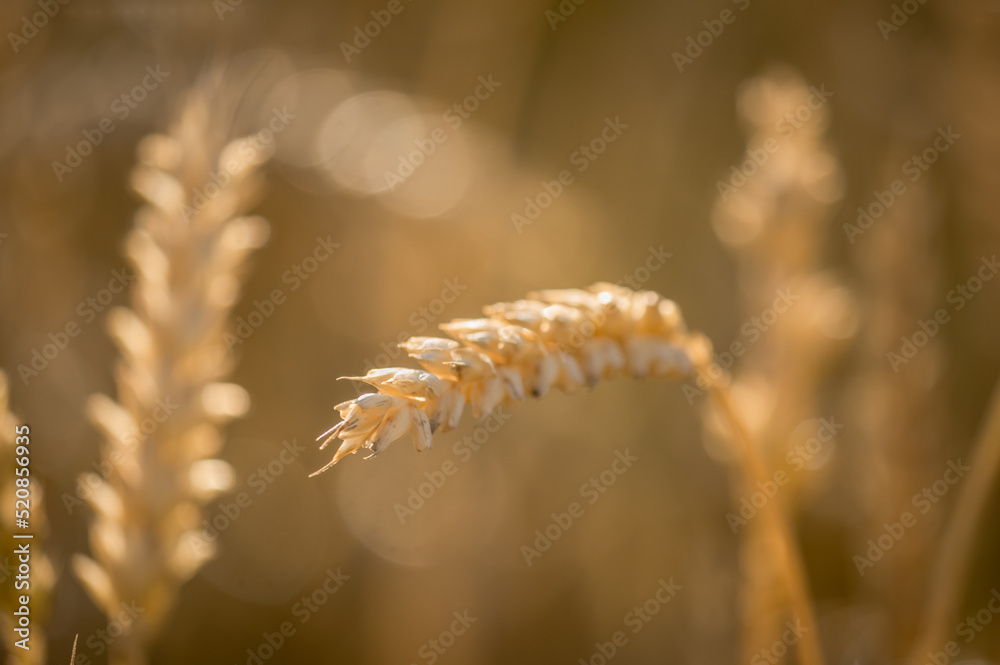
(559, 339)
(562, 339)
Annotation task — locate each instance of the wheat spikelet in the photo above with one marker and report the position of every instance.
(561, 338)
(42, 575)
(161, 435)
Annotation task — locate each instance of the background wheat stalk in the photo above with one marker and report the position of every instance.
(556, 338)
(163, 431)
(953, 559)
(775, 224)
(903, 418)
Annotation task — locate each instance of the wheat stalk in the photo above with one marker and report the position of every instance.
(954, 557)
(774, 224)
(974, 63)
(42, 576)
(557, 338)
(161, 435)
(902, 417)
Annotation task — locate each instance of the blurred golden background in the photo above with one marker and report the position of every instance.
(417, 160)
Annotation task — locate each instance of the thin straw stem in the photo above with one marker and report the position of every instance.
(951, 567)
(776, 529)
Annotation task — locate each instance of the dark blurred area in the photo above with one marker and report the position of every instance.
(419, 149)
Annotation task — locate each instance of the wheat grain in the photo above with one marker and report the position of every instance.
(189, 253)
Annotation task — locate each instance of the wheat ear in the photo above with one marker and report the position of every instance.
(557, 338)
(774, 225)
(561, 338)
(42, 574)
(188, 251)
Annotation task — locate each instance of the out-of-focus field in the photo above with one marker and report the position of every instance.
(461, 154)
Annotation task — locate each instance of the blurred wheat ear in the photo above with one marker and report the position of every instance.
(565, 339)
(42, 574)
(188, 248)
(775, 226)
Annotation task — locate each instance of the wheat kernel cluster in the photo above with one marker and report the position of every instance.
(563, 339)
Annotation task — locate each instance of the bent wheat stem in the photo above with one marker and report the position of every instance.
(953, 559)
(789, 562)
